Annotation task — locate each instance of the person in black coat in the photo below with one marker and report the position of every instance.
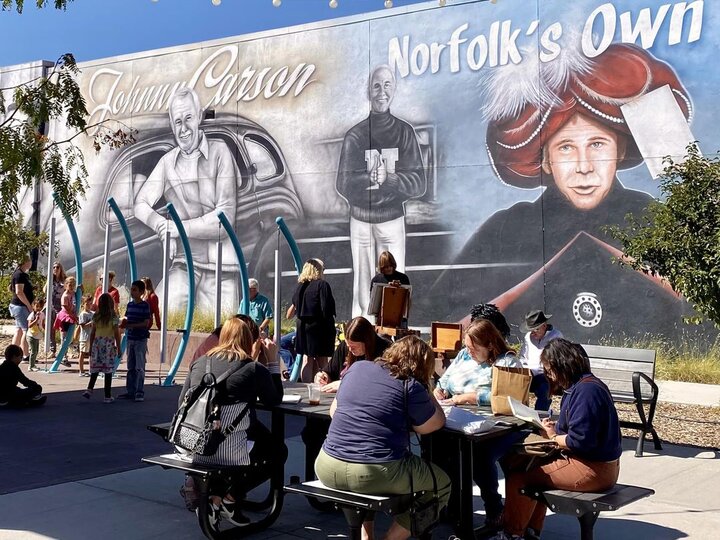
(314, 305)
(249, 382)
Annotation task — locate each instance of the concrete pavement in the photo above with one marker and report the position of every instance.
(71, 471)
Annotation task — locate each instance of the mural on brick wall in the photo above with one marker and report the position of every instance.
(485, 145)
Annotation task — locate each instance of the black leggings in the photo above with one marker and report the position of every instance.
(108, 383)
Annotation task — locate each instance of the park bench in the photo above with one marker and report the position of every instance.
(206, 475)
(587, 506)
(354, 506)
(629, 374)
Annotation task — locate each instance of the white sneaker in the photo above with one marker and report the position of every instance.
(108, 399)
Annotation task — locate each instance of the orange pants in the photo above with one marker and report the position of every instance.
(565, 472)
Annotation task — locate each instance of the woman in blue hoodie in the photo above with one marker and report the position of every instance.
(587, 431)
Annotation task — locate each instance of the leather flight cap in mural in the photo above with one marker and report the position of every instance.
(527, 104)
(534, 319)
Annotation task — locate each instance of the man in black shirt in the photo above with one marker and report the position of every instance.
(10, 376)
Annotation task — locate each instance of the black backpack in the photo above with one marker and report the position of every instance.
(196, 425)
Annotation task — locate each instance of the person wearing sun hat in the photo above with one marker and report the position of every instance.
(538, 333)
(558, 126)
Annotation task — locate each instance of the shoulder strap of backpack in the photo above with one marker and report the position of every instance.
(235, 423)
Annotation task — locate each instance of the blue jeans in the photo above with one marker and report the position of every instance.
(20, 314)
(541, 388)
(136, 352)
(485, 472)
(287, 349)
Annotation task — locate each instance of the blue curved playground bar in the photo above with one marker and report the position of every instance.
(128, 238)
(79, 277)
(191, 295)
(245, 303)
(133, 264)
(282, 226)
(291, 242)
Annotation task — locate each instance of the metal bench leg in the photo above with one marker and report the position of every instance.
(209, 530)
(640, 444)
(355, 517)
(656, 439)
(587, 522)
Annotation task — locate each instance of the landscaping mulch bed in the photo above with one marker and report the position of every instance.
(690, 425)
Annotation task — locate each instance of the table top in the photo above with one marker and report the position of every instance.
(303, 408)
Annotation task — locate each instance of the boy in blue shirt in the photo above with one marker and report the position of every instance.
(136, 321)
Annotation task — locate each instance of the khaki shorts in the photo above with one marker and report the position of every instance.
(85, 347)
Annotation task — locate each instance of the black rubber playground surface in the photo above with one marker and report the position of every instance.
(71, 438)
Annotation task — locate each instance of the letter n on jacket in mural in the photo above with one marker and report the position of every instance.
(487, 146)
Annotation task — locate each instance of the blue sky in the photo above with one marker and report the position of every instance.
(93, 29)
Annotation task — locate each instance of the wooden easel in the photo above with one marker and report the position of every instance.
(446, 341)
(393, 308)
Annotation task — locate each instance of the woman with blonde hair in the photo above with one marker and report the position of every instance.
(314, 305)
(248, 382)
(367, 447)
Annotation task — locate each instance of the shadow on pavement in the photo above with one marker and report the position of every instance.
(72, 438)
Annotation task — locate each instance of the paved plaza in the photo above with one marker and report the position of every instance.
(71, 470)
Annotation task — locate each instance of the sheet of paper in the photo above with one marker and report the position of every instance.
(459, 419)
(524, 412)
(291, 398)
(659, 128)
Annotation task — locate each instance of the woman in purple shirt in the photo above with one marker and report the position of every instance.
(366, 450)
(587, 431)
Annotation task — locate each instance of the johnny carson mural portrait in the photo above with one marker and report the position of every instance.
(561, 126)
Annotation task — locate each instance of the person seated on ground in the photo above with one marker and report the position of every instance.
(468, 381)
(538, 333)
(10, 376)
(367, 448)
(249, 382)
(361, 343)
(587, 431)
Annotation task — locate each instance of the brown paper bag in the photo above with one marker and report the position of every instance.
(507, 381)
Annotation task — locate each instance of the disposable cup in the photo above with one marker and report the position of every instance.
(314, 394)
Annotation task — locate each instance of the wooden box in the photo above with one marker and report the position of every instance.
(446, 337)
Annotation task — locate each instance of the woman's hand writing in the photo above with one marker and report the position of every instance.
(549, 426)
(321, 377)
(440, 393)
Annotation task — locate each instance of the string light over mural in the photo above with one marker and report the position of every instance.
(334, 3)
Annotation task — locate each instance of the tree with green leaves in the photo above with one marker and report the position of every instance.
(28, 155)
(679, 240)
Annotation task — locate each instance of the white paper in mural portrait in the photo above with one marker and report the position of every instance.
(659, 128)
